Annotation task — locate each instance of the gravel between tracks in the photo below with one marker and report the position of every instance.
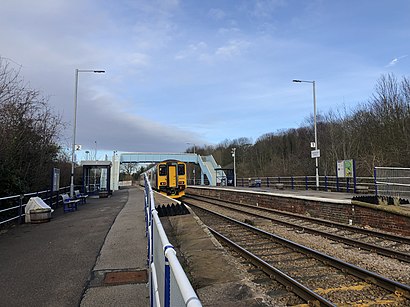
(228, 280)
(385, 266)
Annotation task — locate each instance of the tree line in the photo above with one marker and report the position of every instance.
(29, 136)
(374, 133)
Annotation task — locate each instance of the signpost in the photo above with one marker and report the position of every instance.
(56, 180)
(346, 169)
(315, 153)
(55, 184)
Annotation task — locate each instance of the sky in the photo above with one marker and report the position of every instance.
(200, 72)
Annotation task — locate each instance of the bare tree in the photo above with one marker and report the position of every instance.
(129, 168)
(29, 133)
(375, 133)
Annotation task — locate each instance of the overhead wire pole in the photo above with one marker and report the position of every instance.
(75, 123)
(317, 154)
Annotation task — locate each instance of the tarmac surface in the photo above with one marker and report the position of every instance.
(95, 256)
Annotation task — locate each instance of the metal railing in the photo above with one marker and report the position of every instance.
(12, 207)
(326, 183)
(392, 181)
(169, 285)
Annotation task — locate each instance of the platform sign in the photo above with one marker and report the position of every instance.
(315, 153)
(56, 179)
(345, 168)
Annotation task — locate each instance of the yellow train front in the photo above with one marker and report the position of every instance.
(169, 178)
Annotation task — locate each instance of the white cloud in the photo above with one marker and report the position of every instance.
(196, 50)
(230, 31)
(262, 8)
(396, 60)
(113, 126)
(217, 14)
(139, 59)
(201, 52)
(232, 48)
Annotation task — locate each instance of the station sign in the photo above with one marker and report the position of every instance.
(55, 179)
(315, 153)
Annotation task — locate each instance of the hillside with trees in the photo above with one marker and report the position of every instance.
(375, 133)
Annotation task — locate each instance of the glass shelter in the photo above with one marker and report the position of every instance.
(96, 178)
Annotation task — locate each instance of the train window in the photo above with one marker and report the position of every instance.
(181, 169)
(162, 170)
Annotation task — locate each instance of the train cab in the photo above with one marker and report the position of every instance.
(169, 178)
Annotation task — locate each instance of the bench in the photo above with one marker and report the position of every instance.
(81, 197)
(69, 204)
(255, 183)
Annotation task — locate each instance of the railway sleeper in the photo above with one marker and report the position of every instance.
(284, 261)
(263, 280)
(258, 221)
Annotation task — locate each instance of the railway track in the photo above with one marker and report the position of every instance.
(382, 243)
(317, 278)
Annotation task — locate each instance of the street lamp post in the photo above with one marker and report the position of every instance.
(315, 129)
(75, 122)
(234, 165)
(192, 144)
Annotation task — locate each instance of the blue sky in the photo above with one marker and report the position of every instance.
(201, 71)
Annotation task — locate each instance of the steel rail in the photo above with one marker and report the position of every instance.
(388, 284)
(366, 246)
(311, 297)
(382, 235)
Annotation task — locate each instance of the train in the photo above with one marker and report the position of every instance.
(169, 178)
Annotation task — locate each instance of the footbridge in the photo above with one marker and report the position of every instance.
(207, 164)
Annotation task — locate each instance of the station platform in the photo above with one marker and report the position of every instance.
(341, 197)
(96, 256)
(298, 193)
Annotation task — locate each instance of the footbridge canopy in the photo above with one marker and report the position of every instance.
(207, 164)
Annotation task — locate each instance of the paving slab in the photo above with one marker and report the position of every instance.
(119, 277)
